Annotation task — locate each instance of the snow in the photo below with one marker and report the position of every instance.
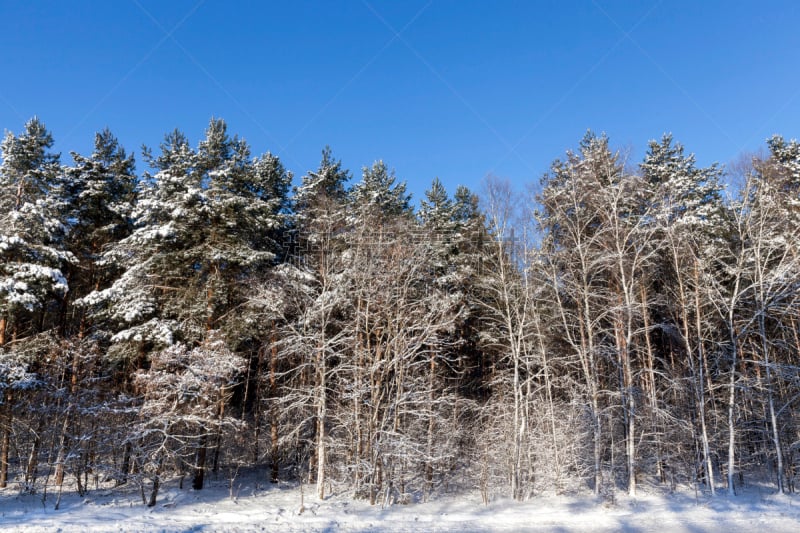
(9, 241)
(256, 505)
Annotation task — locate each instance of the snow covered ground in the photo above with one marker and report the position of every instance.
(265, 507)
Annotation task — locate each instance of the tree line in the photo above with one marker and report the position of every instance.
(623, 323)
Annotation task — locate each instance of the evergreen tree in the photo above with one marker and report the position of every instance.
(436, 209)
(583, 198)
(377, 194)
(682, 193)
(204, 223)
(32, 259)
(316, 332)
(31, 230)
(688, 217)
(100, 197)
(780, 174)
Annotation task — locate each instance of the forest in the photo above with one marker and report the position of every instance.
(623, 323)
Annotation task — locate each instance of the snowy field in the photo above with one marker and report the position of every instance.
(265, 507)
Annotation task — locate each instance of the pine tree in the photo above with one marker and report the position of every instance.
(31, 259)
(688, 217)
(436, 209)
(100, 197)
(204, 222)
(316, 332)
(32, 232)
(451, 231)
(764, 242)
(144, 303)
(683, 194)
(571, 227)
(377, 194)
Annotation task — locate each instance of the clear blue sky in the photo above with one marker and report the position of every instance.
(448, 88)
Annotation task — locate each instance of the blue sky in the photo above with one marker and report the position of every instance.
(447, 88)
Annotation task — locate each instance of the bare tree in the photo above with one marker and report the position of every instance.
(183, 397)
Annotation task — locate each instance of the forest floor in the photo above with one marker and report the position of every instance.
(259, 506)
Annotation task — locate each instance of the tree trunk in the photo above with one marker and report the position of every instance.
(32, 469)
(200, 464)
(7, 419)
(218, 436)
(126, 464)
(732, 408)
(431, 427)
(322, 414)
(701, 401)
(628, 406)
(548, 383)
(651, 388)
(776, 441)
(156, 483)
(273, 391)
(359, 452)
(62, 447)
(68, 417)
